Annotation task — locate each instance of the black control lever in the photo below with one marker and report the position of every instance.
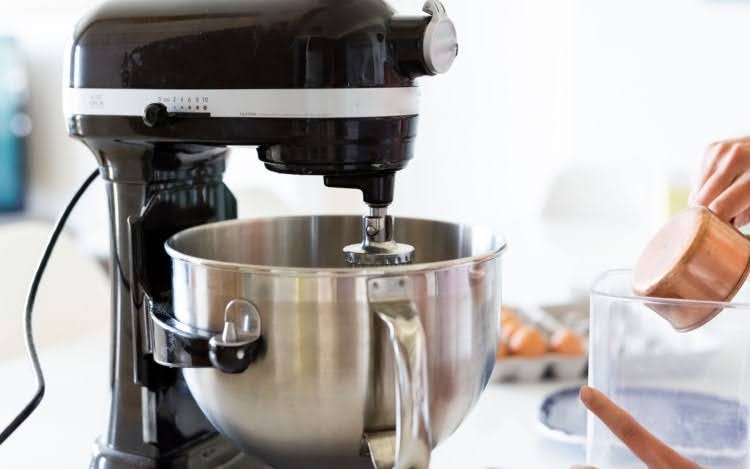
(157, 115)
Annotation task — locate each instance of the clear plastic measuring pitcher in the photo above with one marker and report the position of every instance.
(690, 389)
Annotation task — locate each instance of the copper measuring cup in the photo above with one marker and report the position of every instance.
(695, 256)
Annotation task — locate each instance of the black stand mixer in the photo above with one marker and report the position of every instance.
(158, 91)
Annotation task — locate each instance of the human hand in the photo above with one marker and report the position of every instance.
(651, 451)
(724, 185)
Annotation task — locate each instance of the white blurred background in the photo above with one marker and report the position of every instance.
(573, 127)
(578, 111)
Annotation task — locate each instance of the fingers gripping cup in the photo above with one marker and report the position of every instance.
(696, 256)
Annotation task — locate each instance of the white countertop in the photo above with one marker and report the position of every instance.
(499, 434)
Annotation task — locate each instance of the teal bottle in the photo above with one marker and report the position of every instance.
(15, 125)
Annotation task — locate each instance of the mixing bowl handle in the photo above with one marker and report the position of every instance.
(389, 300)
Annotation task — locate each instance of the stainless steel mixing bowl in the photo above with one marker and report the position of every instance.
(351, 355)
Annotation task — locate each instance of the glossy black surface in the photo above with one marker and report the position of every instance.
(155, 190)
(352, 148)
(186, 191)
(225, 44)
(257, 44)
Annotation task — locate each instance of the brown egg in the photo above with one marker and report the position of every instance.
(502, 350)
(566, 342)
(527, 341)
(508, 314)
(511, 321)
(507, 328)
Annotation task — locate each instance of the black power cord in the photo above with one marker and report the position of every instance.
(30, 300)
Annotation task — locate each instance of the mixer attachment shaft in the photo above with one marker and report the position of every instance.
(378, 246)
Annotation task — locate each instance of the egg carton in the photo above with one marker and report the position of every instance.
(573, 316)
(551, 366)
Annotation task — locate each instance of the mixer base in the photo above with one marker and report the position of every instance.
(212, 453)
(105, 457)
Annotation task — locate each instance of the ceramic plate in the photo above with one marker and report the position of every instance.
(715, 427)
(562, 417)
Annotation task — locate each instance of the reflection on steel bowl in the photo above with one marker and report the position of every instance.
(345, 349)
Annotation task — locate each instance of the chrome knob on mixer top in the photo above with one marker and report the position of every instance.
(378, 246)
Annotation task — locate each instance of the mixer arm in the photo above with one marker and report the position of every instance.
(176, 345)
(149, 277)
(390, 301)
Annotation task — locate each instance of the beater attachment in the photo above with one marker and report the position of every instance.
(378, 248)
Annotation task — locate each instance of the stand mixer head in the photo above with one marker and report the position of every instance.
(321, 87)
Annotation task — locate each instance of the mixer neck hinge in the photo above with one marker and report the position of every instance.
(377, 189)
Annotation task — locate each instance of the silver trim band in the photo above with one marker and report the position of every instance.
(276, 103)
